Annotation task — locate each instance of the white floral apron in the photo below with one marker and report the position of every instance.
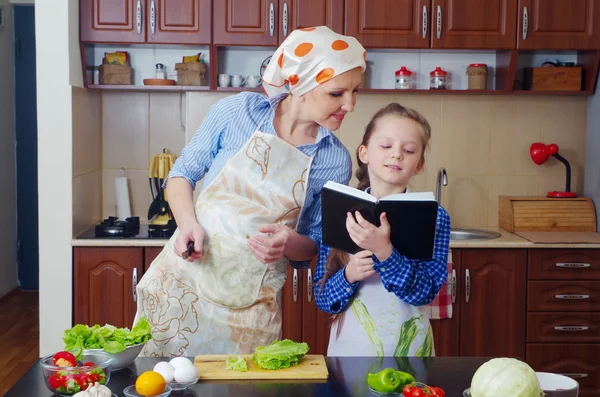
(377, 323)
(228, 302)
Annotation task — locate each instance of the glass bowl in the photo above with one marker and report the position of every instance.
(179, 386)
(130, 392)
(383, 394)
(126, 357)
(66, 381)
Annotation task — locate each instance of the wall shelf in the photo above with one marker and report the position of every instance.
(149, 88)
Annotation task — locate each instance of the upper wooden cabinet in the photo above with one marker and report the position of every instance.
(559, 24)
(490, 24)
(146, 21)
(433, 23)
(269, 22)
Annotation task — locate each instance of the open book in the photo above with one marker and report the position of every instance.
(412, 217)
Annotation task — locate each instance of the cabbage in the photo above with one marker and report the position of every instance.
(502, 377)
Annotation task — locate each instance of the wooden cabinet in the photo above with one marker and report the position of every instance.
(269, 22)
(489, 311)
(489, 24)
(104, 285)
(563, 314)
(433, 23)
(559, 24)
(146, 21)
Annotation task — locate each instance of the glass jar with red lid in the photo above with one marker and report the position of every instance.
(438, 79)
(403, 79)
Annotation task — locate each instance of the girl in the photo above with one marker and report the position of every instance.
(379, 293)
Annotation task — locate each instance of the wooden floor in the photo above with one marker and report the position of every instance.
(19, 337)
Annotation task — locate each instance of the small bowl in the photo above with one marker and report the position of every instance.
(180, 386)
(126, 357)
(130, 392)
(555, 385)
(71, 378)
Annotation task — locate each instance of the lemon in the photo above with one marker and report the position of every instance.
(150, 383)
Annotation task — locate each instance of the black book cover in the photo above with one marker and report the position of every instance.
(412, 217)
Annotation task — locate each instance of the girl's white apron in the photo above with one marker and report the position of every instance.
(228, 302)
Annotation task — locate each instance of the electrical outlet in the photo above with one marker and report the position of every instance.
(2, 17)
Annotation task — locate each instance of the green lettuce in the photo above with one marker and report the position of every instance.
(279, 354)
(236, 364)
(111, 339)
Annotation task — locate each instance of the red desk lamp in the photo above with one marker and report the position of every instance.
(540, 153)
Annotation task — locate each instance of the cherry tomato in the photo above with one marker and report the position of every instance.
(438, 391)
(407, 390)
(417, 392)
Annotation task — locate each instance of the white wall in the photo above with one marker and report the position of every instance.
(8, 233)
(592, 160)
(54, 104)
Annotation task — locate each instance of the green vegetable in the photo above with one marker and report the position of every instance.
(110, 338)
(408, 333)
(389, 380)
(279, 354)
(500, 377)
(364, 319)
(236, 364)
(426, 349)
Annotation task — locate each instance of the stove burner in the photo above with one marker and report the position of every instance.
(113, 227)
(162, 231)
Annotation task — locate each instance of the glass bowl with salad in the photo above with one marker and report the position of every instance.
(66, 375)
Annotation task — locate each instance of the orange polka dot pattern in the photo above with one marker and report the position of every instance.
(309, 57)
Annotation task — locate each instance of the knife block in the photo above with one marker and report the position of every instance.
(545, 214)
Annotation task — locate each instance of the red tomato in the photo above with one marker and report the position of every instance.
(83, 380)
(89, 364)
(417, 392)
(55, 381)
(407, 390)
(438, 391)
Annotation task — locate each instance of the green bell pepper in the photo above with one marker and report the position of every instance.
(389, 380)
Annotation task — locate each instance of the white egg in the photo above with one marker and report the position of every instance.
(166, 370)
(185, 374)
(179, 362)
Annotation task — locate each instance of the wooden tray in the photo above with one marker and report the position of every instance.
(159, 82)
(212, 367)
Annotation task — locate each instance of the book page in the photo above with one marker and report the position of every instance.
(349, 190)
(416, 196)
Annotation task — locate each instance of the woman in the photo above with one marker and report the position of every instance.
(264, 161)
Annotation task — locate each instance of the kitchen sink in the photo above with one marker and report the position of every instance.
(472, 234)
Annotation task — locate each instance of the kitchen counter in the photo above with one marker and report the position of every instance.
(346, 378)
(506, 240)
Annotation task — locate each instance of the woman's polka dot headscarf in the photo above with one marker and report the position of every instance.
(310, 57)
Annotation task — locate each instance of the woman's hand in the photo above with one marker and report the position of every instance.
(360, 267)
(370, 237)
(270, 248)
(190, 232)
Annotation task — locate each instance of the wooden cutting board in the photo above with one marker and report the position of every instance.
(212, 367)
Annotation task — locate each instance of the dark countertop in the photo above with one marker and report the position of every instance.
(347, 377)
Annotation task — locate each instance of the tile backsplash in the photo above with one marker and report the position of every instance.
(482, 141)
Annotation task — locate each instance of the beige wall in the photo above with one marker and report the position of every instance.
(482, 141)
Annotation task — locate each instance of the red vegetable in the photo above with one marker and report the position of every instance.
(55, 381)
(438, 391)
(89, 364)
(64, 359)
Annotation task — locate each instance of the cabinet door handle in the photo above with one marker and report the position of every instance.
(439, 21)
(285, 19)
(272, 19)
(134, 284)
(575, 375)
(424, 32)
(295, 285)
(467, 285)
(525, 22)
(575, 328)
(573, 265)
(572, 296)
(453, 285)
(309, 285)
(152, 17)
(138, 17)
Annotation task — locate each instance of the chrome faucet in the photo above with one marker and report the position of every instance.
(442, 179)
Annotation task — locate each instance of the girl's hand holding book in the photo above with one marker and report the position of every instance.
(360, 267)
(370, 237)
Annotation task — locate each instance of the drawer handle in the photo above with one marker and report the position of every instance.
(573, 265)
(424, 22)
(572, 296)
(467, 286)
(575, 375)
(134, 280)
(453, 280)
(309, 285)
(571, 328)
(295, 285)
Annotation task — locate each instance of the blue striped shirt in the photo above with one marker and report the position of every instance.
(228, 126)
(416, 282)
